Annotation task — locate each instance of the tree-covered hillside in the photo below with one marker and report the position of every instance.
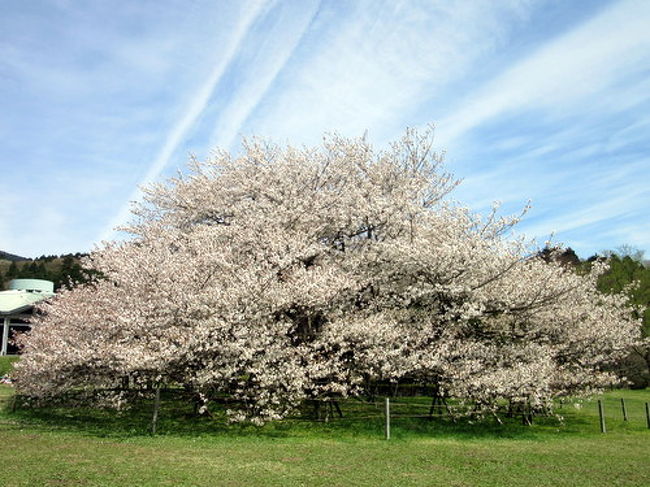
(10, 257)
(61, 269)
(627, 274)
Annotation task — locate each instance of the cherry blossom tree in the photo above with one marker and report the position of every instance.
(286, 274)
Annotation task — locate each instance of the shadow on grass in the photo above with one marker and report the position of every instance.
(360, 421)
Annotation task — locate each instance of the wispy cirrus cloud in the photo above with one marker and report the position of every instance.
(596, 56)
(564, 126)
(532, 98)
(264, 57)
(90, 93)
(195, 107)
(369, 66)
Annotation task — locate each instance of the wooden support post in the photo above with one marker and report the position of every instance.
(338, 409)
(387, 412)
(328, 411)
(156, 409)
(624, 409)
(601, 413)
(317, 409)
(647, 414)
(433, 406)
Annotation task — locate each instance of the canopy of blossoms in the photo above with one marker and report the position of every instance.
(288, 274)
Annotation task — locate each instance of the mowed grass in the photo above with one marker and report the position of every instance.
(57, 447)
(6, 363)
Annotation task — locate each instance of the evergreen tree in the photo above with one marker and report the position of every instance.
(12, 272)
(628, 274)
(71, 272)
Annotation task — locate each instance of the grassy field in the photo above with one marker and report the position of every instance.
(61, 447)
(6, 363)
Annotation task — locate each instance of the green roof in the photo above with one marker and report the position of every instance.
(23, 295)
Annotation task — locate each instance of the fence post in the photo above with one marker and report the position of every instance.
(647, 414)
(601, 413)
(387, 418)
(624, 409)
(156, 408)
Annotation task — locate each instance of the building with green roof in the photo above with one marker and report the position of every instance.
(16, 308)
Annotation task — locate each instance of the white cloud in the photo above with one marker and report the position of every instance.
(372, 68)
(194, 109)
(271, 55)
(565, 72)
(608, 208)
(110, 98)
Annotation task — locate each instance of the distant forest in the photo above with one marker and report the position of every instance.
(62, 270)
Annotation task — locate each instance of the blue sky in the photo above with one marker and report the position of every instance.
(540, 100)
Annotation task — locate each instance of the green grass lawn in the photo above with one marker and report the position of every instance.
(6, 363)
(81, 447)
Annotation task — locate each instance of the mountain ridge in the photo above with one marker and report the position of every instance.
(11, 257)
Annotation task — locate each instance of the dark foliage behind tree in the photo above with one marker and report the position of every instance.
(628, 273)
(64, 270)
